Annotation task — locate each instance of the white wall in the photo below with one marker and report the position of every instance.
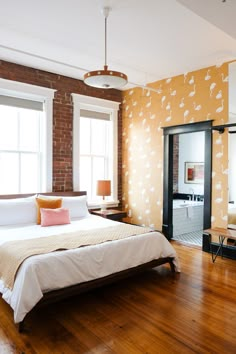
(191, 149)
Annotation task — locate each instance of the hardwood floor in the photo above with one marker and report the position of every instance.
(155, 312)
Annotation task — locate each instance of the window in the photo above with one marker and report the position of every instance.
(95, 146)
(25, 138)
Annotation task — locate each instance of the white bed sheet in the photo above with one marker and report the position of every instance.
(77, 265)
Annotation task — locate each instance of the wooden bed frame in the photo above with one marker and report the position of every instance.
(60, 294)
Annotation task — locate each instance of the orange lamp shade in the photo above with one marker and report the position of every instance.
(104, 188)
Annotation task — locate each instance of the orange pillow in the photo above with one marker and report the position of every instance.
(48, 204)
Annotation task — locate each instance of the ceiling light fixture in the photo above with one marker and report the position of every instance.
(105, 78)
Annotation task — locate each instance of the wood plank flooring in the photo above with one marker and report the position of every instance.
(155, 312)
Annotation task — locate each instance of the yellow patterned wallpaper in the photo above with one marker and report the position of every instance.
(193, 97)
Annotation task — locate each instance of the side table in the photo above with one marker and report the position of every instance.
(111, 214)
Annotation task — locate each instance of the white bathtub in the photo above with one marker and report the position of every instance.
(187, 216)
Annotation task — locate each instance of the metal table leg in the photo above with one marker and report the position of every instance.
(220, 249)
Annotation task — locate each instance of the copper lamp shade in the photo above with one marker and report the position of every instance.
(104, 188)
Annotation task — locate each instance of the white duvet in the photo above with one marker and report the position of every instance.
(42, 273)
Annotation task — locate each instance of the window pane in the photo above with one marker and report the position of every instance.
(96, 141)
(85, 175)
(98, 173)
(85, 135)
(98, 136)
(30, 174)
(8, 128)
(29, 130)
(9, 176)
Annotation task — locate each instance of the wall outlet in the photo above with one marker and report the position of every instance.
(130, 213)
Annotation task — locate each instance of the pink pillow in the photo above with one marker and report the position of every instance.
(50, 217)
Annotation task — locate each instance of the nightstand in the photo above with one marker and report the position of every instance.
(112, 214)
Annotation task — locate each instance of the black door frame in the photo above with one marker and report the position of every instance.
(169, 132)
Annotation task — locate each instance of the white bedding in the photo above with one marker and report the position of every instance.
(78, 265)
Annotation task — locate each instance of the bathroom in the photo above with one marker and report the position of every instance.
(188, 186)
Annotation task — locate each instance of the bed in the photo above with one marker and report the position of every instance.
(43, 278)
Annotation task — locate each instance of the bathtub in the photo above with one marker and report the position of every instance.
(187, 216)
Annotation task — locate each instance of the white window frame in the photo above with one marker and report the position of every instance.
(40, 94)
(97, 105)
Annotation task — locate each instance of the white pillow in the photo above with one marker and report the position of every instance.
(18, 211)
(77, 205)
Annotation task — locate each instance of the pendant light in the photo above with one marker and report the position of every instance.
(106, 78)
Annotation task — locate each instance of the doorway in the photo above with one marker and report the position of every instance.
(169, 133)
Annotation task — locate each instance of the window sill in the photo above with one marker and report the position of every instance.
(109, 204)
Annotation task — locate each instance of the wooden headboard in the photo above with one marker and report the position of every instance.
(59, 194)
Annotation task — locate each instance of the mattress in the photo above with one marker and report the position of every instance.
(78, 265)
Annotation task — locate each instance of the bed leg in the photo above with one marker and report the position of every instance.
(172, 267)
(21, 327)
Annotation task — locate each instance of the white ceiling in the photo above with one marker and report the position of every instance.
(147, 39)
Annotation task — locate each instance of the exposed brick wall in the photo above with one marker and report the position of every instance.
(62, 116)
(175, 163)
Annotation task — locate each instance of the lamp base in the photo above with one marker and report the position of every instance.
(103, 207)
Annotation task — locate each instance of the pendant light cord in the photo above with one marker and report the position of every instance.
(105, 41)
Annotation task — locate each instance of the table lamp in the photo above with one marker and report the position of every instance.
(103, 189)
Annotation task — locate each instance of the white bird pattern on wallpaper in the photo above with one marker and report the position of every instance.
(172, 92)
(185, 77)
(197, 107)
(186, 113)
(224, 171)
(168, 106)
(220, 153)
(212, 86)
(208, 76)
(169, 117)
(218, 185)
(219, 95)
(152, 115)
(192, 93)
(162, 101)
(141, 113)
(219, 140)
(134, 103)
(225, 217)
(168, 80)
(219, 200)
(159, 90)
(220, 108)
(159, 127)
(149, 103)
(224, 78)
(191, 81)
(181, 105)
